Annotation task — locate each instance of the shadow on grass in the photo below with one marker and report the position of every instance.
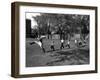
(72, 57)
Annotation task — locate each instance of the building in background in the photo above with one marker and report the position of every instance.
(28, 28)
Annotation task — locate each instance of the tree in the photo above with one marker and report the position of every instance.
(63, 24)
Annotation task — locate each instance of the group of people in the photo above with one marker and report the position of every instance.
(52, 44)
(61, 46)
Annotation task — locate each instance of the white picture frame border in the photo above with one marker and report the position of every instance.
(68, 68)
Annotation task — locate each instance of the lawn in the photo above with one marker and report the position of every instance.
(35, 57)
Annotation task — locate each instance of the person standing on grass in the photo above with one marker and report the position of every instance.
(68, 44)
(52, 46)
(76, 42)
(41, 40)
(62, 44)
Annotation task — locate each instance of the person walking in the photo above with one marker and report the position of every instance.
(76, 42)
(52, 46)
(62, 44)
(68, 44)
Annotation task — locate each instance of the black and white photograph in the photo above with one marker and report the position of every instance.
(57, 39)
(52, 39)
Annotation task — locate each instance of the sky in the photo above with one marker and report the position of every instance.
(29, 16)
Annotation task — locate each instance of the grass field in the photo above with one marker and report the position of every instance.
(73, 56)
